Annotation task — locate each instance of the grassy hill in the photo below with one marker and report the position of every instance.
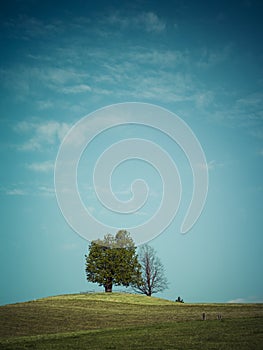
(128, 321)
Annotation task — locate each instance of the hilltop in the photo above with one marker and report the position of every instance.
(120, 320)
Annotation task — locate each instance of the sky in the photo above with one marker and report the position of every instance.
(200, 60)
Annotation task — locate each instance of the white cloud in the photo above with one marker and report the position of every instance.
(152, 22)
(45, 191)
(161, 58)
(137, 73)
(27, 27)
(40, 134)
(237, 300)
(253, 100)
(147, 21)
(22, 80)
(41, 166)
(43, 105)
(75, 89)
(16, 192)
(211, 165)
(158, 84)
(60, 80)
(249, 108)
(25, 190)
(204, 98)
(253, 299)
(209, 58)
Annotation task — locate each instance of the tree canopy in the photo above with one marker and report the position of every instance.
(113, 261)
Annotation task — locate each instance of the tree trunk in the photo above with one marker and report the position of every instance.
(108, 287)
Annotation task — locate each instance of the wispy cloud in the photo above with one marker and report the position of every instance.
(15, 192)
(31, 28)
(137, 73)
(27, 28)
(237, 300)
(159, 57)
(55, 78)
(212, 57)
(253, 299)
(25, 190)
(151, 73)
(43, 105)
(26, 81)
(211, 165)
(253, 100)
(147, 21)
(40, 134)
(129, 79)
(203, 98)
(237, 111)
(41, 167)
(45, 191)
(152, 22)
(76, 89)
(250, 109)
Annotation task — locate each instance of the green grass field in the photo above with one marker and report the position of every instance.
(128, 321)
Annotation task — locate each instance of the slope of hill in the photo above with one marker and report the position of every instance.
(120, 320)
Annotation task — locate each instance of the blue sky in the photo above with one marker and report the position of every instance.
(200, 60)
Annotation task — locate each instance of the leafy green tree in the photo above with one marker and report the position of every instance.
(153, 278)
(113, 261)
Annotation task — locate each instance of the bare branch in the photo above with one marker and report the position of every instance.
(152, 272)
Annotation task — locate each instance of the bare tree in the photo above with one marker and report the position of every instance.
(153, 279)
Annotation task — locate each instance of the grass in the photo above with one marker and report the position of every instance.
(127, 321)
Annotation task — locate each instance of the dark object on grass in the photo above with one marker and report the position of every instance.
(179, 300)
(203, 316)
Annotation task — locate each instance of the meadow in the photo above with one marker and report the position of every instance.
(128, 321)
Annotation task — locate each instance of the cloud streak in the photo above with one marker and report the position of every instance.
(246, 300)
(24, 190)
(147, 21)
(42, 167)
(40, 134)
